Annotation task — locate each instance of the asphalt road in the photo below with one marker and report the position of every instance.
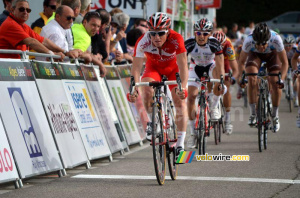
(271, 173)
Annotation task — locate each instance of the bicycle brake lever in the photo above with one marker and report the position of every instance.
(178, 80)
(132, 85)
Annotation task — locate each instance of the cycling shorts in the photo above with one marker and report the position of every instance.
(151, 72)
(272, 60)
(197, 71)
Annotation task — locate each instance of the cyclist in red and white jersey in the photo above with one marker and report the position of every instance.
(166, 55)
(206, 57)
(230, 63)
(264, 45)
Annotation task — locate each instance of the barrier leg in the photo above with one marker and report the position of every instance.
(122, 152)
(110, 158)
(126, 149)
(88, 165)
(19, 183)
(141, 143)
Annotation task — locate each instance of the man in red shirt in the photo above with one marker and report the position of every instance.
(16, 35)
(166, 55)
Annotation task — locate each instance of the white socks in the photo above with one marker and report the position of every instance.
(180, 138)
(192, 125)
(252, 109)
(275, 111)
(227, 117)
(215, 101)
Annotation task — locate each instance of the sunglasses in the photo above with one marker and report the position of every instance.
(262, 44)
(22, 9)
(202, 33)
(288, 45)
(70, 17)
(145, 26)
(160, 33)
(53, 7)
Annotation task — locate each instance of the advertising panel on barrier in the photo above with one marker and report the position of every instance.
(101, 109)
(83, 109)
(8, 171)
(25, 121)
(60, 115)
(110, 106)
(137, 108)
(122, 106)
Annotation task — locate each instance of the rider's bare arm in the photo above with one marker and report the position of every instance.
(234, 66)
(284, 67)
(219, 59)
(241, 64)
(183, 68)
(136, 69)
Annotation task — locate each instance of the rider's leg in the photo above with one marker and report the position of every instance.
(227, 105)
(147, 95)
(192, 94)
(181, 118)
(298, 88)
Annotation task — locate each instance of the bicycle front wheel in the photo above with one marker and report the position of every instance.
(172, 136)
(290, 93)
(201, 131)
(158, 145)
(260, 120)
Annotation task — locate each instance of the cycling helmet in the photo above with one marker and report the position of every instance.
(203, 25)
(261, 33)
(220, 36)
(158, 21)
(289, 40)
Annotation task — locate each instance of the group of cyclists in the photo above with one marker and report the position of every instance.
(213, 54)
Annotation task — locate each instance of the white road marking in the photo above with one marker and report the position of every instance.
(192, 178)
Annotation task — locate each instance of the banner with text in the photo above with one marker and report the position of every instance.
(25, 121)
(8, 171)
(137, 108)
(60, 115)
(110, 107)
(83, 109)
(101, 109)
(122, 106)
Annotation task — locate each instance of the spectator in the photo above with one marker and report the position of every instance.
(49, 8)
(82, 34)
(131, 38)
(58, 3)
(115, 11)
(7, 6)
(55, 30)
(85, 8)
(122, 20)
(240, 32)
(141, 24)
(15, 34)
(250, 28)
(101, 41)
(74, 4)
(232, 34)
(225, 29)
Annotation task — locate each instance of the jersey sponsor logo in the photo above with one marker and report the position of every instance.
(146, 44)
(229, 51)
(25, 123)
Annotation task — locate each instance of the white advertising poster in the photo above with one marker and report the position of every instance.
(133, 8)
(25, 120)
(120, 101)
(101, 109)
(86, 117)
(8, 171)
(60, 115)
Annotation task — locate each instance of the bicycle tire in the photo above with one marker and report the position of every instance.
(290, 97)
(260, 122)
(172, 135)
(201, 130)
(158, 146)
(216, 132)
(222, 120)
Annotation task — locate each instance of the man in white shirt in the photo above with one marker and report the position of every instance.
(55, 30)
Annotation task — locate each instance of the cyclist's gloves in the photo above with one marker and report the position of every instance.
(132, 98)
(280, 84)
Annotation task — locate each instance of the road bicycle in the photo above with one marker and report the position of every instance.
(264, 106)
(203, 122)
(164, 129)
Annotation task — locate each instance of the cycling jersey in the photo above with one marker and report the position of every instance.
(275, 43)
(160, 61)
(202, 56)
(229, 54)
(291, 53)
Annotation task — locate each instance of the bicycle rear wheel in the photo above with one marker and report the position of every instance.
(201, 138)
(172, 136)
(216, 131)
(222, 120)
(260, 112)
(290, 94)
(158, 145)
